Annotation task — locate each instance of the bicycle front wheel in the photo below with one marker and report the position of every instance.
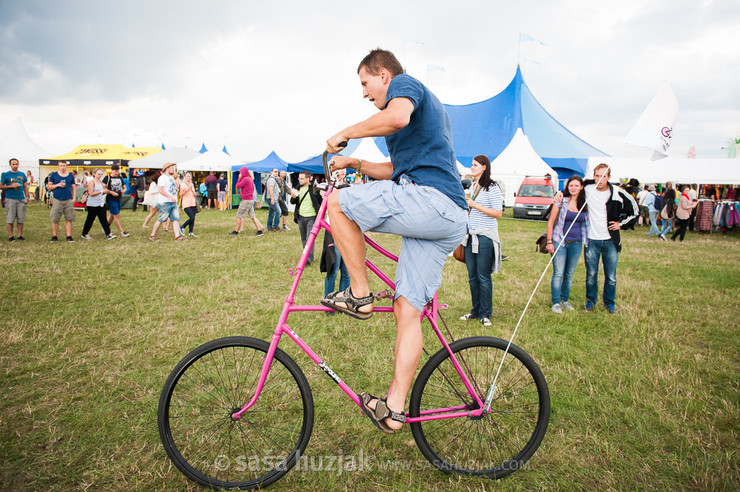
(207, 387)
(497, 443)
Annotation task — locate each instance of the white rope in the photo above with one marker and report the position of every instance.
(542, 276)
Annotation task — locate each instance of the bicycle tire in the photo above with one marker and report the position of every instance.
(212, 382)
(493, 445)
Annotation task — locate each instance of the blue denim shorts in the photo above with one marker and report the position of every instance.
(168, 211)
(430, 223)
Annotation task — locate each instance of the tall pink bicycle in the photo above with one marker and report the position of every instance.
(237, 412)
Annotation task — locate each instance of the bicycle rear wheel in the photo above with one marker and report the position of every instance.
(495, 444)
(207, 387)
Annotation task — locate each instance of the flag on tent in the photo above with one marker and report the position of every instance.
(654, 129)
(523, 38)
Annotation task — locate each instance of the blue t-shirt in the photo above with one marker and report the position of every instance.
(65, 193)
(575, 232)
(423, 149)
(10, 177)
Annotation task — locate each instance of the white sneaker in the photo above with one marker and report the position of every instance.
(556, 308)
(86, 236)
(192, 235)
(110, 236)
(125, 234)
(568, 306)
(485, 322)
(466, 317)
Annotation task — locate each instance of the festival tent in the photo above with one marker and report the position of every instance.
(272, 161)
(101, 155)
(314, 165)
(18, 144)
(210, 161)
(517, 161)
(369, 151)
(158, 159)
(487, 127)
(680, 170)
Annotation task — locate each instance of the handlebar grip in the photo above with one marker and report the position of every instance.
(327, 173)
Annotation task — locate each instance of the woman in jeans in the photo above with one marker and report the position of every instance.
(96, 206)
(187, 195)
(482, 244)
(669, 205)
(683, 212)
(566, 224)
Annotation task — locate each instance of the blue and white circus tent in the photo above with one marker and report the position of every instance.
(488, 127)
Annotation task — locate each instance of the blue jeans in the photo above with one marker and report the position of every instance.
(479, 276)
(273, 215)
(667, 225)
(605, 249)
(654, 231)
(331, 277)
(563, 266)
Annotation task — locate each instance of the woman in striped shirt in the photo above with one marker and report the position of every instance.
(482, 244)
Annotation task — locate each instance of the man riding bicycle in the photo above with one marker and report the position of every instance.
(417, 195)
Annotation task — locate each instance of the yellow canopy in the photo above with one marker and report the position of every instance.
(108, 154)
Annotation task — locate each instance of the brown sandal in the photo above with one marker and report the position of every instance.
(380, 413)
(352, 304)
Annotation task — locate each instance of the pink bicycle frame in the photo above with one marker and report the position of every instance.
(430, 311)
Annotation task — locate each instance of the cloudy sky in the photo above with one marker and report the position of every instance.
(257, 76)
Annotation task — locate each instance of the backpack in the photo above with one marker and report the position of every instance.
(657, 202)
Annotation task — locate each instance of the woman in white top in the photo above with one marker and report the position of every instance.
(96, 205)
(150, 199)
(482, 244)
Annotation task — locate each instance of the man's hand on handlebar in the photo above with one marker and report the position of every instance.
(342, 162)
(336, 143)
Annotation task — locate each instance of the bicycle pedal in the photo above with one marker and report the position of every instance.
(384, 294)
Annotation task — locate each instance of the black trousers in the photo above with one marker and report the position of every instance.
(191, 218)
(92, 213)
(682, 225)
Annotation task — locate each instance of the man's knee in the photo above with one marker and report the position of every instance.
(404, 311)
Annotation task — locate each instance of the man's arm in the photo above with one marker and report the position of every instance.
(629, 208)
(395, 116)
(376, 170)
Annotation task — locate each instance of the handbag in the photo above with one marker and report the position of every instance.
(198, 208)
(459, 253)
(541, 243)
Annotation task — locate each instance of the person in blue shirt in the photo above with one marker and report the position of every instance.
(15, 185)
(416, 195)
(62, 185)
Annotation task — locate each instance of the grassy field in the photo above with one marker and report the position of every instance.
(90, 331)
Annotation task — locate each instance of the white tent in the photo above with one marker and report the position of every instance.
(675, 169)
(368, 151)
(517, 161)
(17, 144)
(172, 154)
(210, 161)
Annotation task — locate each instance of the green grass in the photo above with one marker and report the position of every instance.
(91, 330)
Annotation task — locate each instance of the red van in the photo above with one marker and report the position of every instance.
(534, 197)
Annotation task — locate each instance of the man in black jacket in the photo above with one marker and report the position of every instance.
(307, 202)
(609, 208)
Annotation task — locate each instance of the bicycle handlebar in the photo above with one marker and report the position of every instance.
(327, 171)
